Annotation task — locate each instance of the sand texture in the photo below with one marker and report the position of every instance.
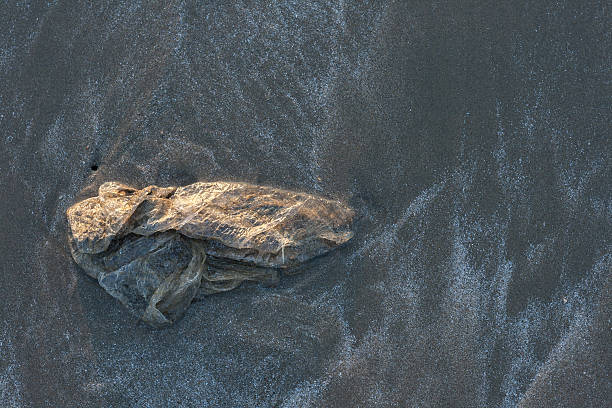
(471, 139)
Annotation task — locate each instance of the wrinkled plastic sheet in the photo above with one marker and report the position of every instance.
(148, 248)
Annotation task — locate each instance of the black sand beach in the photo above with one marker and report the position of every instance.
(472, 140)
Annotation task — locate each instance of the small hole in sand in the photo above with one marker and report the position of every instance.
(94, 167)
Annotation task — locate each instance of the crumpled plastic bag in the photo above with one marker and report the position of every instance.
(156, 249)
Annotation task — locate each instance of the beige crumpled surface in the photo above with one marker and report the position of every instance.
(148, 247)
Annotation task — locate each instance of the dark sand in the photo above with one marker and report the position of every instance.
(472, 140)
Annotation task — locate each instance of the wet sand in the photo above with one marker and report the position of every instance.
(472, 141)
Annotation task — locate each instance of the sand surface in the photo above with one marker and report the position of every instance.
(472, 140)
